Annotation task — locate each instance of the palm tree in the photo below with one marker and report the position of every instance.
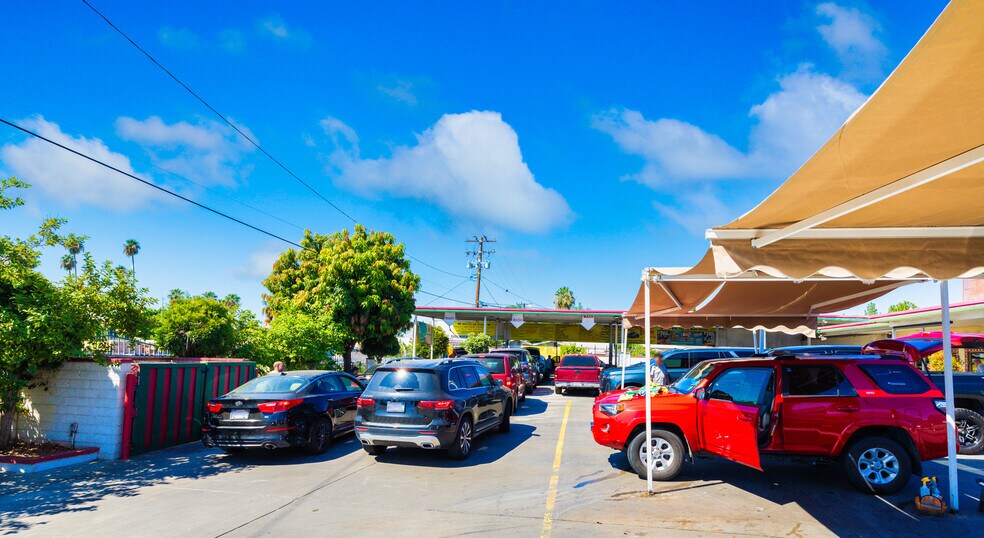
(564, 298)
(68, 263)
(75, 245)
(131, 248)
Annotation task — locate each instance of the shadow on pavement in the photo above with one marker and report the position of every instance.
(77, 488)
(488, 448)
(531, 406)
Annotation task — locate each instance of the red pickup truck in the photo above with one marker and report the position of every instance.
(578, 372)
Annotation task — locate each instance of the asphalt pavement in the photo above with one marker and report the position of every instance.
(545, 477)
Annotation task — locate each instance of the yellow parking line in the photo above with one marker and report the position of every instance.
(552, 492)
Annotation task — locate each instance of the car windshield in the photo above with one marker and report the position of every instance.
(578, 360)
(273, 383)
(686, 384)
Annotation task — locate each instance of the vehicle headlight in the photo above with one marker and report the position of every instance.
(612, 409)
(940, 405)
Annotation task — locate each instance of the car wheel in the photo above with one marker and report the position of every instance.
(522, 395)
(374, 450)
(506, 414)
(970, 431)
(319, 437)
(667, 449)
(462, 444)
(558, 390)
(877, 465)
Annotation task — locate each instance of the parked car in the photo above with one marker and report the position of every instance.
(968, 388)
(305, 408)
(530, 371)
(881, 418)
(578, 372)
(545, 365)
(676, 361)
(433, 404)
(816, 350)
(505, 368)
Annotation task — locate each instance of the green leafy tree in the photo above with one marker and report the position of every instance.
(479, 343)
(299, 339)
(131, 248)
(203, 326)
(44, 324)
(574, 349)
(870, 309)
(564, 298)
(902, 306)
(441, 345)
(362, 280)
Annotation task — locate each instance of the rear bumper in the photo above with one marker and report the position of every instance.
(246, 440)
(401, 437)
(577, 384)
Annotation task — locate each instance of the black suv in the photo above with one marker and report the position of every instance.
(434, 404)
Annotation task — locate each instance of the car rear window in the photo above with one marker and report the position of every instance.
(273, 383)
(895, 378)
(578, 360)
(496, 366)
(403, 380)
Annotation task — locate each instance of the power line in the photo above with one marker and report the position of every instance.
(494, 301)
(217, 113)
(434, 268)
(148, 183)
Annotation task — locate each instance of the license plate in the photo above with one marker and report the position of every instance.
(396, 407)
(239, 414)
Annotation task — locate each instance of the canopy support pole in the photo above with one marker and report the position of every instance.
(413, 349)
(649, 398)
(485, 325)
(622, 357)
(951, 423)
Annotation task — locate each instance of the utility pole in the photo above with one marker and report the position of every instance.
(479, 262)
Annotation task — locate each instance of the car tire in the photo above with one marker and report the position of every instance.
(970, 430)
(558, 390)
(319, 436)
(374, 450)
(877, 465)
(670, 455)
(464, 438)
(504, 424)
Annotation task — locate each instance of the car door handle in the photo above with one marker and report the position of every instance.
(847, 408)
(746, 417)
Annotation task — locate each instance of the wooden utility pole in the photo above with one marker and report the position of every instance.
(479, 263)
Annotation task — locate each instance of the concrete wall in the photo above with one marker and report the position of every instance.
(81, 392)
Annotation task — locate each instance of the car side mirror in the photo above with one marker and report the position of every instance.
(700, 394)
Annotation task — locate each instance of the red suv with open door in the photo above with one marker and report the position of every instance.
(504, 367)
(879, 416)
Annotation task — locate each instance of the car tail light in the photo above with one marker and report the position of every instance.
(509, 382)
(436, 404)
(282, 405)
(366, 402)
(214, 407)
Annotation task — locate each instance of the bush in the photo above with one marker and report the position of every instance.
(571, 349)
(479, 343)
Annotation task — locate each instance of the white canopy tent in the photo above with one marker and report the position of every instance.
(895, 193)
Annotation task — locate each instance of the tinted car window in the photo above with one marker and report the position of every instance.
(698, 356)
(741, 385)
(403, 379)
(578, 360)
(484, 377)
(815, 380)
(456, 380)
(469, 377)
(350, 383)
(496, 366)
(273, 383)
(895, 378)
(676, 361)
(334, 383)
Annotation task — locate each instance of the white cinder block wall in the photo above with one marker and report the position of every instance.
(82, 392)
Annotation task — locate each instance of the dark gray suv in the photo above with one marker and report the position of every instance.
(433, 404)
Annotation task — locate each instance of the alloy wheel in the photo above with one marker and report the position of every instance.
(878, 466)
(465, 439)
(663, 454)
(968, 433)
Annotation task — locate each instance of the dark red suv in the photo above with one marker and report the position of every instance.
(880, 417)
(504, 367)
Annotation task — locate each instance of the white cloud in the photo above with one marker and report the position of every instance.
(275, 27)
(259, 266)
(792, 124)
(342, 136)
(178, 38)
(402, 91)
(696, 210)
(467, 164)
(851, 34)
(209, 152)
(232, 40)
(72, 180)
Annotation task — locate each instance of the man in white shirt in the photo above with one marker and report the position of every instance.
(657, 372)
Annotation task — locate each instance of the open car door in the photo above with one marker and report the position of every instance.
(728, 413)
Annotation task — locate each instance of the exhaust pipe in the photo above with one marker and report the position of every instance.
(208, 441)
(269, 446)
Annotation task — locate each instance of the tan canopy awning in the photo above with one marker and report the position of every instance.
(697, 297)
(898, 190)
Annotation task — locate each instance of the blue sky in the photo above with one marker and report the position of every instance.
(590, 141)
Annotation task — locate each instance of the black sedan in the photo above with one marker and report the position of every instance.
(306, 409)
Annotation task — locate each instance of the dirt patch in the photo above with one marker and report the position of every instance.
(27, 449)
